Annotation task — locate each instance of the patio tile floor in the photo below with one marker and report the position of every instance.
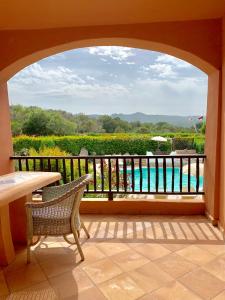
(127, 257)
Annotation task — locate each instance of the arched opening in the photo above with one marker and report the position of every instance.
(192, 57)
(140, 91)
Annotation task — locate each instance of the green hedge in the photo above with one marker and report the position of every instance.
(104, 144)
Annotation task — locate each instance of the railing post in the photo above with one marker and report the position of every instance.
(110, 196)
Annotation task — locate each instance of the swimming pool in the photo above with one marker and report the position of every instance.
(160, 179)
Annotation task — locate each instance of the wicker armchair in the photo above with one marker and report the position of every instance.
(57, 214)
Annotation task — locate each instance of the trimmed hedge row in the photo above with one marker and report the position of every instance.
(105, 144)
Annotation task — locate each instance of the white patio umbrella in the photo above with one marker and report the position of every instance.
(193, 169)
(159, 139)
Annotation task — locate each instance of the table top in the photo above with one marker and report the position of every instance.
(19, 184)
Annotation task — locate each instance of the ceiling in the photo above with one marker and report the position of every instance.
(27, 14)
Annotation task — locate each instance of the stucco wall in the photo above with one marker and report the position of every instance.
(212, 146)
(5, 132)
(221, 183)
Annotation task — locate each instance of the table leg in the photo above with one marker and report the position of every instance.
(7, 253)
(18, 219)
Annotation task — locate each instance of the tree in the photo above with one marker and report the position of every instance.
(36, 124)
(16, 127)
(36, 121)
(109, 124)
(56, 125)
(142, 129)
(87, 124)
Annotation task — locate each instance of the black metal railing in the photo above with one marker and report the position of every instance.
(134, 174)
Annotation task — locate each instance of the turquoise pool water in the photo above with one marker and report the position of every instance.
(160, 178)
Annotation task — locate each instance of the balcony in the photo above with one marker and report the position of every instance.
(134, 251)
(127, 257)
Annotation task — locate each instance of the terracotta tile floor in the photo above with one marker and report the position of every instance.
(127, 257)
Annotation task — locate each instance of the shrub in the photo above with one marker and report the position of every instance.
(183, 143)
(26, 142)
(101, 144)
(165, 147)
(46, 151)
(108, 143)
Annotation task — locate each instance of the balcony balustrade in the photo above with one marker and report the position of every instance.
(134, 174)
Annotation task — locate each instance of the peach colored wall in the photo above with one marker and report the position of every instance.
(69, 13)
(212, 147)
(5, 132)
(222, 161)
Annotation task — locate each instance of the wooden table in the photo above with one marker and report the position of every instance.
(15, 189)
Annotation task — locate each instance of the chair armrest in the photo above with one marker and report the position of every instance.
(52, 192)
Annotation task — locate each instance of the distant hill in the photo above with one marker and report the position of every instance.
(184, 121)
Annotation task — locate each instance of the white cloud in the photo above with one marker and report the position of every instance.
(163, 70)
(166, 66)
(90, 78)
(119, 54)
(181, 86)
(35, 74)
(84, 84)
(176, 62)
(185, 96)
(160, 70)
(130, 63)
(62, 82)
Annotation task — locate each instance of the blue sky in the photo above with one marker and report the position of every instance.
(106, 80)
